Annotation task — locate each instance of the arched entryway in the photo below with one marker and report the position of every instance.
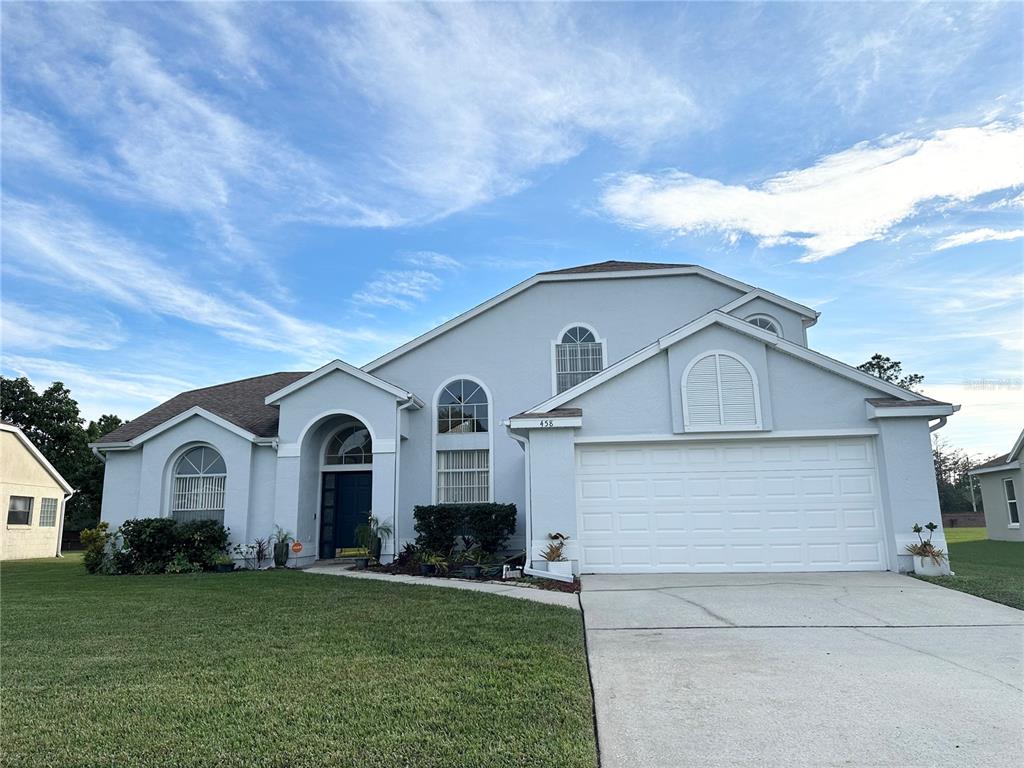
(346, 484)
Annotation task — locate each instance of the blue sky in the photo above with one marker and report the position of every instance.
(198, 193)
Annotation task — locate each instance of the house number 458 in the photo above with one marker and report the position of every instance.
(547, 422)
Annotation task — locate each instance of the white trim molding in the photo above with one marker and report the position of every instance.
(810, 316)
(722, 427)
(342, 367)
(38, 456)
(996, 468)
(436, 438)
(782, 434)
(598, 339)
(542, 422)
(174, 421)
(929, 409)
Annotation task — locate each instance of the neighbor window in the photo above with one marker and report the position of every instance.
(578, 356)
(47, 513)
(765, 322)
(1011, 501)
(462, 407)
(463, 477)
(719, 392)
(19, 511)
(199, 480)
(350, 445)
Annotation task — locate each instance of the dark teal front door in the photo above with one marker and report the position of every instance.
(345, 505)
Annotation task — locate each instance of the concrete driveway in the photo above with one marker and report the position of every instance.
(842, 669)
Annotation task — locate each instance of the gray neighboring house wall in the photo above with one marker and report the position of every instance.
(1002, 480)
(690, 439)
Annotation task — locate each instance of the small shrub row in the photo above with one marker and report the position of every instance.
(155, 545)
(483, 526)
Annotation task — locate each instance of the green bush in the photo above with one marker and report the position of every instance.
(201, 541)
(149, 543)
(437, 525)
(489, 525)
(180, 564)
(95, 540)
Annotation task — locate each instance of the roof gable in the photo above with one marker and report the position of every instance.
(810, 316)
(38, 456)
(717, 317)
(342, 367)
(607, 270)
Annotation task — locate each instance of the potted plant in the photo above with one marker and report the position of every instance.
(554, 555)
(473, 560)
(282, 546)
(371, 536)
(432, 563)
(223, 562)
(928, 559)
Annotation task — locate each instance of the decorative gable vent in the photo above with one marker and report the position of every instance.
(720, 393)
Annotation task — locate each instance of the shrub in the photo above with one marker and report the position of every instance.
(95, 540)
(489, 525)
(180, 564)
(437, 525)
(200, 541)
(148, 540)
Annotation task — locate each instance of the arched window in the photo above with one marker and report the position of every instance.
(719, 393)
(199, 478)
(462, 407)
(765, 322)
(578, 356)
(351, 444)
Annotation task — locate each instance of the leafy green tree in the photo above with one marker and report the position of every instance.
(52, 421)
(891, 370)
(954, 484)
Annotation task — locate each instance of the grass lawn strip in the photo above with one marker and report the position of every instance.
(990, 569)
(283, 669)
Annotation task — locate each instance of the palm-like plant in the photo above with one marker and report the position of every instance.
(372, 534)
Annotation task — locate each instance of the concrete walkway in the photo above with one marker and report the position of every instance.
(843, 669)
(503, 588)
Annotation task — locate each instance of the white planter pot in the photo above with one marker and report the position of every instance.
(925, 566)
(560, 567)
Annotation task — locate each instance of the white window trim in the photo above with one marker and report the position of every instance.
(31, 511)
(756, 427)
(765, 316)
(558, 340)
(437, 440)
(489, 470)
(1016, 501)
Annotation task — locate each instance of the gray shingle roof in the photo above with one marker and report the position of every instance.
(997, 461)
(613, 266)
(240, 402)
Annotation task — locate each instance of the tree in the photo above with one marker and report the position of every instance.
(891, 370)
(52, 421)
(954, 484)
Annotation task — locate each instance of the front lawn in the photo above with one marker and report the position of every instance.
(283, 668)
(990, 569)
(960, 535)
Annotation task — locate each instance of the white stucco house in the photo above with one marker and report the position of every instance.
(1001, 479)
(664, 416)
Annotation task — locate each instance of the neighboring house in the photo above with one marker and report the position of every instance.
(1001, 480)
(663, 416)
(33, 494)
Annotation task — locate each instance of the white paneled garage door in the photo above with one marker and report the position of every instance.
(745, 505)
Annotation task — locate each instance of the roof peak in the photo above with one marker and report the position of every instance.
(613, 265)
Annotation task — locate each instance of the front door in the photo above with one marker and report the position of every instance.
(345, 505)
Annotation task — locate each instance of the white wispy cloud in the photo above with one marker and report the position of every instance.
(474, 98)
(38, 328)
(844, 199)
(63, 246)
(432, 260)
(982, 235)
(398, 288)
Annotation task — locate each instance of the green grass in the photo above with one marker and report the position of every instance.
(283, 669)
(990, 569)
(960, 535)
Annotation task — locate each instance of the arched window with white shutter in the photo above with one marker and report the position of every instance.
(720, 393)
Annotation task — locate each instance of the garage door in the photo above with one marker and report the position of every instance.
(768, 505)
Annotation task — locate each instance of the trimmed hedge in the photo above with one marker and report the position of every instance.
(488, 525)
(149, 545)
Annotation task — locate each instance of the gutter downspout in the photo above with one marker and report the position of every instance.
(63, 512)
(937, 425)
(98, 454)
(411, 401)
(525, 443)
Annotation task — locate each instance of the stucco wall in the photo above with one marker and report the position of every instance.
(22, 475)
(791, 323)
(509, 349)
(997, 516)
